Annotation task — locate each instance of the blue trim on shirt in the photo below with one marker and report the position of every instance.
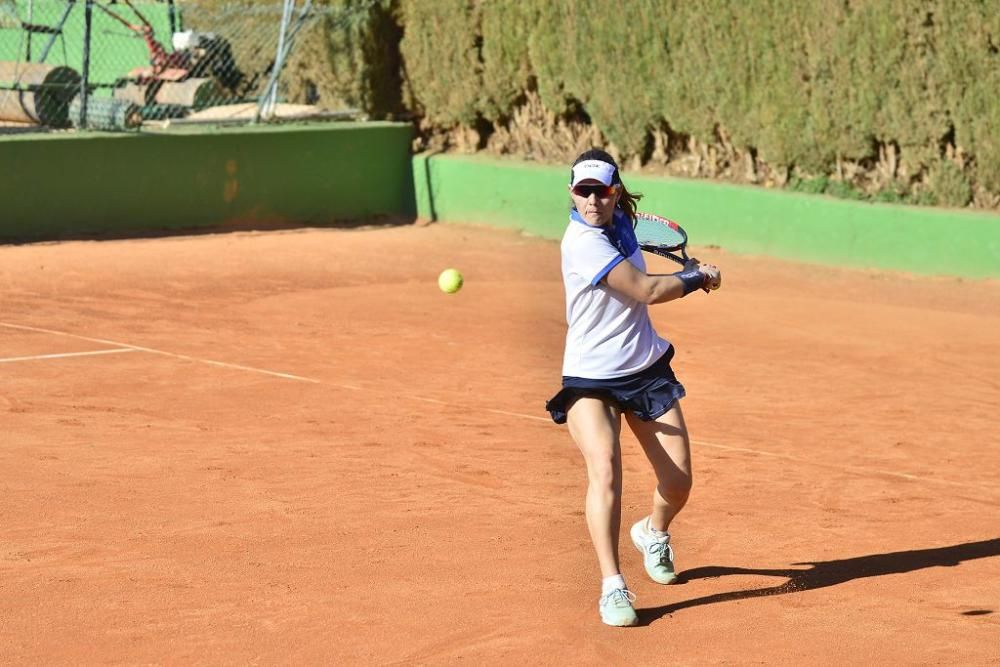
(606, 270)
(619, 233)
(575, 216)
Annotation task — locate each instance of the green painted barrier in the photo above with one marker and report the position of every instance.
(70, 185)
(738, 218)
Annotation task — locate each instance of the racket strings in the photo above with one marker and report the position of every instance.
(651, 232)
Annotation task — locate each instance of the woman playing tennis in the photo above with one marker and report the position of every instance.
(614, 365)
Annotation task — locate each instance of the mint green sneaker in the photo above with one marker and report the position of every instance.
(657, 554)
(616, 608)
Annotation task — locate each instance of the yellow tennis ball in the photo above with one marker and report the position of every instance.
(450, 281)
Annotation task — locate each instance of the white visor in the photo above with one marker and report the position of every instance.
(594, 170)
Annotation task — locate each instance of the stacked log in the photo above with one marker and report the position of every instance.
(37, 93)
(196, 93)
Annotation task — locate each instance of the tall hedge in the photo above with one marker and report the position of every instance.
(802, 85)
(363, 55)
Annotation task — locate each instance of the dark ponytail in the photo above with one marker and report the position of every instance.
(628, 200)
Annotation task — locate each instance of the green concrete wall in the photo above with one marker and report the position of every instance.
(70, 185)
(738, 218)
(66, 185)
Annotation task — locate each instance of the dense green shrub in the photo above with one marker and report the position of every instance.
(802, 87)
(949, 184)
(441, 60)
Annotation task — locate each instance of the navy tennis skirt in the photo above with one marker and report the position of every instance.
(648, 393)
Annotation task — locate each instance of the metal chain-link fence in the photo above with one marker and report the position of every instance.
(121, 65)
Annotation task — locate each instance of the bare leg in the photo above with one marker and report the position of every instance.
(595, 427)
(665, 442)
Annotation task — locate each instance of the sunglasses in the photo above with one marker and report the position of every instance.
(602, 191)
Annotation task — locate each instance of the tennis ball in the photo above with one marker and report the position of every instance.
(450, 281)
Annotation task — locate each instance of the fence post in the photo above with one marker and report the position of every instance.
(31, 20)
(88, 12)
(172, 14)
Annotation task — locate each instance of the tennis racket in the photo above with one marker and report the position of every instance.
(663, 237)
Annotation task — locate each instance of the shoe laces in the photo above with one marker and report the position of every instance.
(617, 597)
(663, 550)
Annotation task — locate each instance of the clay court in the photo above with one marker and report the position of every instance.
(290, 447)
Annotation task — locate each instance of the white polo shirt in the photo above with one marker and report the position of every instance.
(609, 333)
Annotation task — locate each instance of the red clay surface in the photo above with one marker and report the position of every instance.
(399, 496)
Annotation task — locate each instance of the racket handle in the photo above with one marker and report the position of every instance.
(693, 263)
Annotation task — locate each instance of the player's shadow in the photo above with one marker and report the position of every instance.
(828, 573)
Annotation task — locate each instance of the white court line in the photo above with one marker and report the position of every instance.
(518, 414)
(860, 470)
(138, 348)
(424, 399)
(701, 443)
(116, 350)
